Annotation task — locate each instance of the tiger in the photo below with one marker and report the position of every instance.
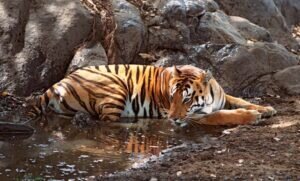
(182, 94)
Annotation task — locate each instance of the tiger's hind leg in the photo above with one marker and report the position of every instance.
(229, 117)
(234, 103)
(109, 112)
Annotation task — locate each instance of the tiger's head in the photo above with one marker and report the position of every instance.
(190, 93)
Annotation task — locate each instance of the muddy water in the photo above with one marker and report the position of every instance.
(70, 152)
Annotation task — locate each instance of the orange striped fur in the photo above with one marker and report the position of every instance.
(180, 93)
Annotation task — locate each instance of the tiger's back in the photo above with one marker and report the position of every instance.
(147, 89)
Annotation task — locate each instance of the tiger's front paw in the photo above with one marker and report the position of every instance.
(250, 116)
(268, 111)
(256, 115)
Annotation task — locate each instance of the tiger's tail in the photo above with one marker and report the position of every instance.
(38, 103)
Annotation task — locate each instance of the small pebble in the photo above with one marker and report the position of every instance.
(179, 173)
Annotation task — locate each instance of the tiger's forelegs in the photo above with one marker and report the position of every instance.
(229, 117)
(266, 111)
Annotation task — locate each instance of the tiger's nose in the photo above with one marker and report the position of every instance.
(178, 122)
(175, 121)
(172, 117)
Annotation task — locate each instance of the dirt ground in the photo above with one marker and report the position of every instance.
(268, 151)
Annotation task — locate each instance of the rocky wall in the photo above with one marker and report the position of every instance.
(252, 47)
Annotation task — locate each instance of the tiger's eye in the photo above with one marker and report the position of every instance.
(200, 91)
(187, 99)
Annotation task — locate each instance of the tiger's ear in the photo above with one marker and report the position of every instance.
(208, 76)
(176, 72)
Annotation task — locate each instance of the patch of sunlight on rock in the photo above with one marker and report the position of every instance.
(3, 12)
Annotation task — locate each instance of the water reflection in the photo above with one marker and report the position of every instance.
(62, 150)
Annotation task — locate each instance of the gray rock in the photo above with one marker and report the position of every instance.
(40, 38)
(216, 28)
(264, 13)
(182, 16)
(170, 58)
(290, 9)
(289, 80)
(244, 65)
(194, 22)
(180, 10)
(88, 55)
(211, 6)
(165, 38)
(13, 17)
(249, 30)
(238, 67)
(130, 32)
(175, 10)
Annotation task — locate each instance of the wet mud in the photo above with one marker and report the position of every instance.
(268, 151)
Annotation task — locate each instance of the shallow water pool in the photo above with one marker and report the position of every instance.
(68, 152)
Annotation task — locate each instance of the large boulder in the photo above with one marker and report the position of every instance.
(264, 13)
(171, 28)
(289, 80)
(182, 22)
(89, 54)
(250, 30)
(130, 32)
(165, 38)
(215, 27)
(13, 17)
(39, 38)
(238, 67)
(290, 9)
